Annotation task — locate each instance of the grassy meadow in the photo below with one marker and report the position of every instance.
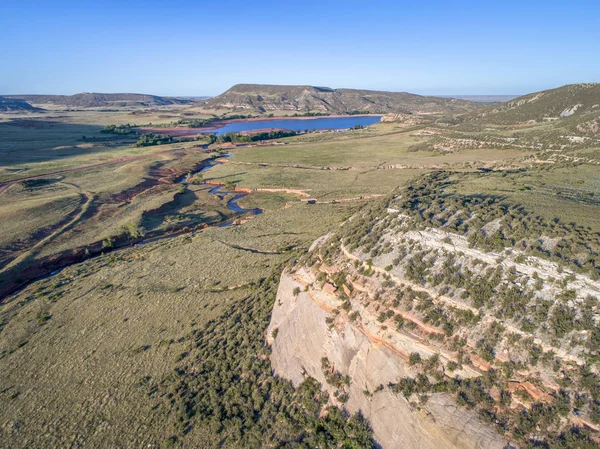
(77, 349)
(376, 146)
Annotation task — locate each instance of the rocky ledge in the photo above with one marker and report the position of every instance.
(355, 364)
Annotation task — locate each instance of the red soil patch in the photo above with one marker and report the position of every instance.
(174, 131)
(329, 288)
(532, 390)
(382, 342)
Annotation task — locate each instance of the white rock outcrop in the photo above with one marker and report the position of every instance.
(570, 111)
(303, 338)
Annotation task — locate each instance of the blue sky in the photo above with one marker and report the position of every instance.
(182, 47)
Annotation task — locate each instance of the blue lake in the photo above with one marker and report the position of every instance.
(299, 124)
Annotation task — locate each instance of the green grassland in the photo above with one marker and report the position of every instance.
(25, 215)
(81, 156)
(51, 215)
(324, 185)
(371, 148)
(78, 349)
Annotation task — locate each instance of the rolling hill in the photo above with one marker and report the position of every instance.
(574, 101)
(263, 98)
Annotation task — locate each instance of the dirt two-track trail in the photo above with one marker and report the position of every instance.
(54, 263)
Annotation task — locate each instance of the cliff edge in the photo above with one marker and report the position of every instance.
(304, 344)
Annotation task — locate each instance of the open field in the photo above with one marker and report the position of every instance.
(42, 146)
(320, 184)
(78, 348)
(103, 201)
(370, 148)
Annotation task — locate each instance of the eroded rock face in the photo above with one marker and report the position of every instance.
(337, 101)
(303, 338)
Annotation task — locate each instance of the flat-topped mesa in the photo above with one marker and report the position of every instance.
(311, 99)
(16, 105)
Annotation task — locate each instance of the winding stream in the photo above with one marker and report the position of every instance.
(232, 204)
(90, 252)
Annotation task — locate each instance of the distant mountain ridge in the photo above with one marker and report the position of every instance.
(92, 100)
(489, 98)
(301, 99)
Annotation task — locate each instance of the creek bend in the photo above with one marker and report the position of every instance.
(54, 264)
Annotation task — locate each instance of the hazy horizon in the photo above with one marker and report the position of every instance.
(450, 95)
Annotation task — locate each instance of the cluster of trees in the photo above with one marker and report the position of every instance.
(334, 377)
(523, 424)
(224, 388)
(312, 114)
(200, 122)
(239, 138)
(429, 205)
(151, 139)
(118, 129)
(195, 179)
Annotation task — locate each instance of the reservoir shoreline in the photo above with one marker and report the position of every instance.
(225, 126)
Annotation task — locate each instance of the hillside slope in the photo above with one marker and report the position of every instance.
(557, 125)
(94, 100)
(16, 105)
(442, 316)
(571, 101)
(263, 98)
(353, 364)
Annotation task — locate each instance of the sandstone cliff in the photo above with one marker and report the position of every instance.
(445, 318)
(302, 338)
